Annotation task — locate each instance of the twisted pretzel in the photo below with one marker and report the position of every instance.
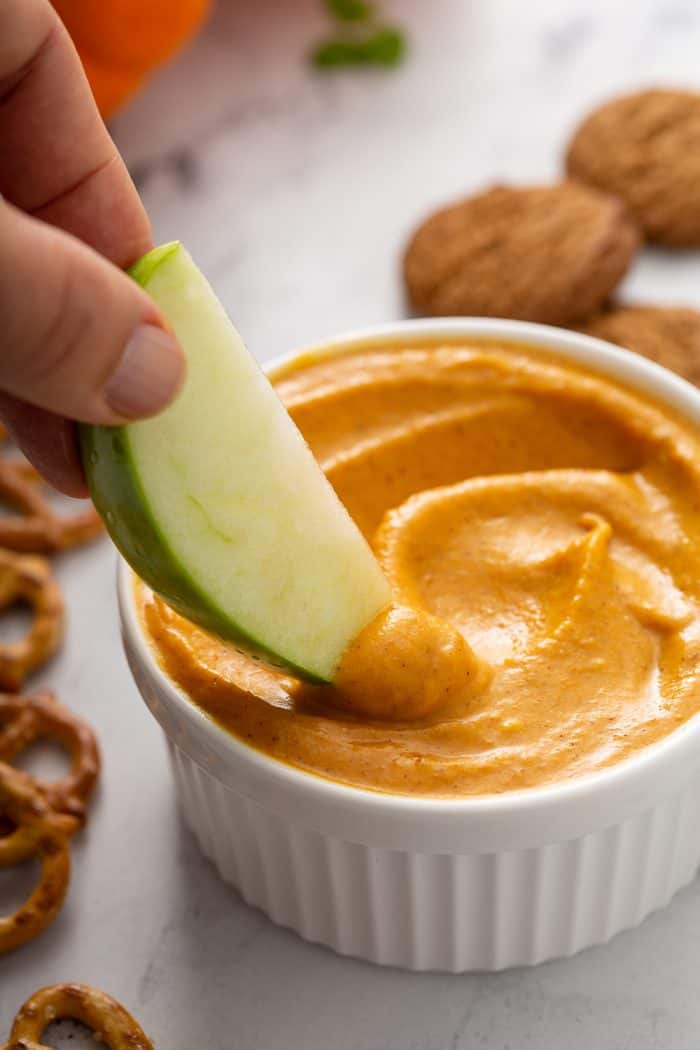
(37, 830)
(108, 1019)
(27, 578)
(24, 720)
(37, 528)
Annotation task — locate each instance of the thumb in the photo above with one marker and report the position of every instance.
(79, 337)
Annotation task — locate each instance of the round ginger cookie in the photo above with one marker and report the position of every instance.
(646, 149)
(669, 335)
(552, 254)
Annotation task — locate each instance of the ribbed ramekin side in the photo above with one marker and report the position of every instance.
(448, 912)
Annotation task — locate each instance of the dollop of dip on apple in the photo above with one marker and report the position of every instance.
(406, 665)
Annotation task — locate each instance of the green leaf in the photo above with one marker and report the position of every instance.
(349, 10)
(333, 53)
(386, 47)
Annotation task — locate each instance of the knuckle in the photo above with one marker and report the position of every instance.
(58, 346)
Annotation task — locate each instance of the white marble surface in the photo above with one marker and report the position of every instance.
(295, 193)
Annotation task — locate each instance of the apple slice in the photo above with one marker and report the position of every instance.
(218, 503)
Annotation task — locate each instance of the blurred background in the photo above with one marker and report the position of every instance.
(295, 189)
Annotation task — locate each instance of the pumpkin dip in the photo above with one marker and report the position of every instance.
(547, 517)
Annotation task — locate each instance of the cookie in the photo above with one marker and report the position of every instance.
(669, 335)
(546, 253)
(646, 149)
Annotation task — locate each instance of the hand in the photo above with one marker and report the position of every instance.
(78, 339)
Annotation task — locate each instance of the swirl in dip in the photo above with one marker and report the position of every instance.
(547, 516)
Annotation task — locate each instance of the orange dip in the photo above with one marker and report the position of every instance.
(549, 518)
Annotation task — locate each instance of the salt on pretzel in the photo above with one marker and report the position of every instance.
(37, 831)
(37, 528)
(27, 719)
(28, 578)
(110, 1022)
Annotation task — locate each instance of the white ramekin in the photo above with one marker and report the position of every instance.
(429, 884)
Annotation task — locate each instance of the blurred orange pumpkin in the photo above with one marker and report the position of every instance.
(121, 41)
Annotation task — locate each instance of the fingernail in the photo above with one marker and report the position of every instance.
(148, 375)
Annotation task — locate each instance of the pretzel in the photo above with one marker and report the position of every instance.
(28, 578)
(37, 528)
(24, 720)
(110, 1022)
(37, 830)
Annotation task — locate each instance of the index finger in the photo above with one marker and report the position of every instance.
(57, 160)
